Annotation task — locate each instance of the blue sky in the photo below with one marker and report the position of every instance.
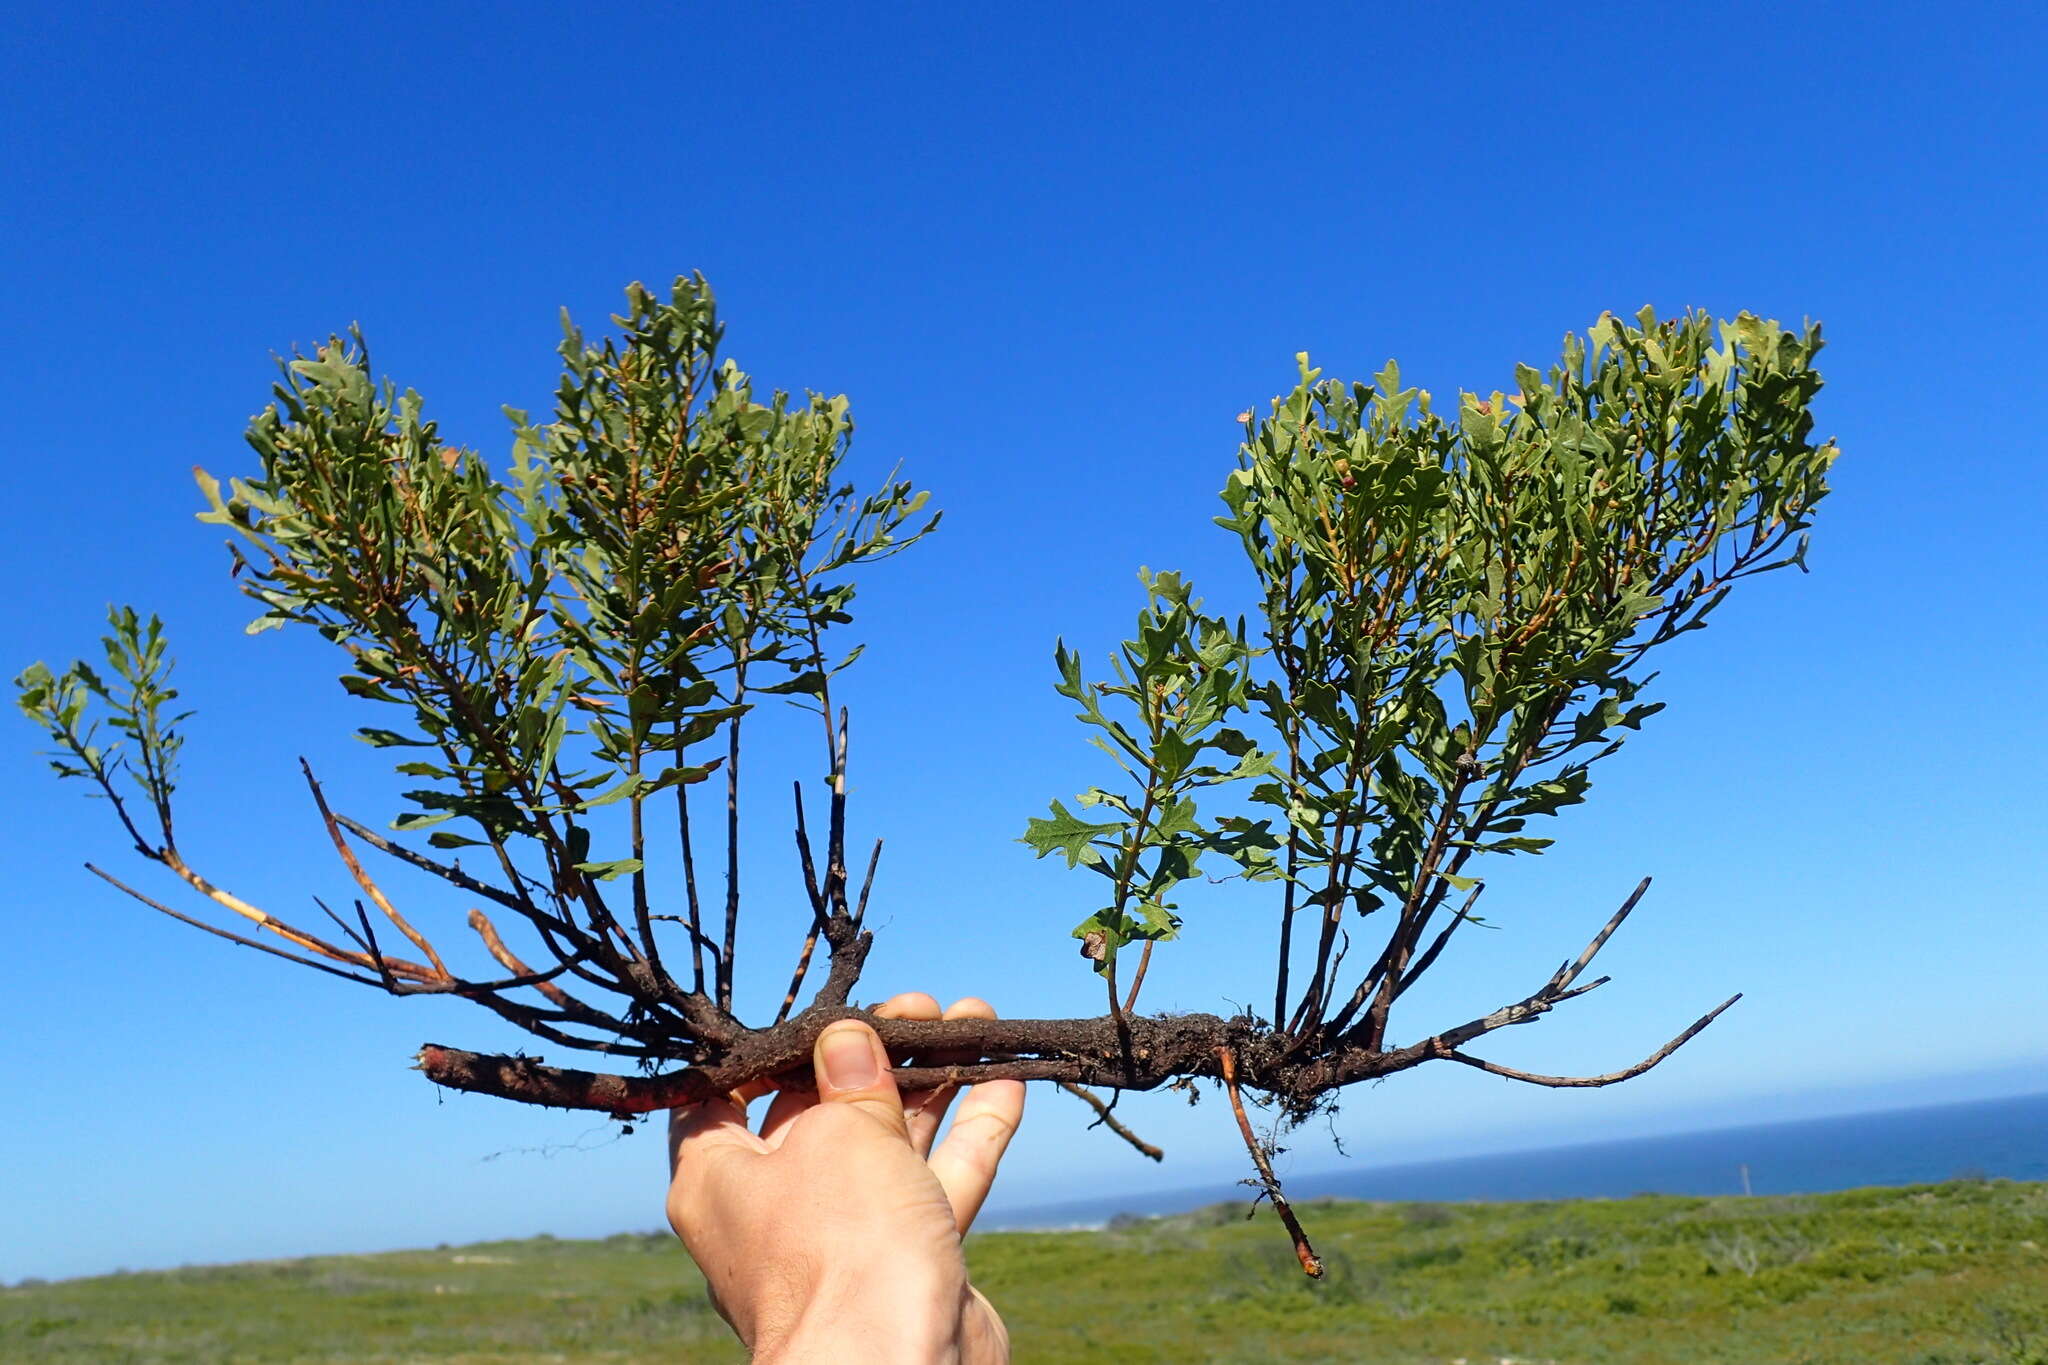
(1049, 254)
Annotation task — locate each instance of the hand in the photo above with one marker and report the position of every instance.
(834, 1233)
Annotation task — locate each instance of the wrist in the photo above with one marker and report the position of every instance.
(884, 1315)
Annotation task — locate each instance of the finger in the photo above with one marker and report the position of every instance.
(695, 1131)
(783, 1111)
(927, 1109)
(788, 1104)
(908, 1005)
(966, 1161)
(915, 1005)
(754, 1090)
(853, 1070)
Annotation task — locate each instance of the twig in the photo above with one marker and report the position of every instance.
(697, 936)
(1558, 989)
(796, 976)
(1110, 1121)
(867, 884)
(510, 960)
(1311, 1264)
(690, 871)
(1611, 1077)
(343, 925)
(812, 891)
(728, 958)
(1429, 956)
(835, 833)
(449, 873)
(821, 899)
(154, 904)
(376, 953)
(355, 869)
(299, 937)
(1569, 972)
(1138, 977)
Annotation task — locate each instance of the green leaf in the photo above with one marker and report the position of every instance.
(630, 784)
(390, 739)
(810, 682)
(1067, 833)
(413, 819)
(1102, 934)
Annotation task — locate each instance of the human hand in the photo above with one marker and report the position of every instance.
(834, 1233)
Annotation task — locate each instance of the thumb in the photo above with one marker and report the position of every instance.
(853, 1068)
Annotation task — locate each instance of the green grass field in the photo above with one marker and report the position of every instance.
(1951, 1274)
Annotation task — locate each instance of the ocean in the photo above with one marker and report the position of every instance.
(1980, 1138)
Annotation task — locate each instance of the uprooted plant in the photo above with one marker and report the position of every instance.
(1455, 615)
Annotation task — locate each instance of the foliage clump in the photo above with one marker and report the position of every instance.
(1457, 609)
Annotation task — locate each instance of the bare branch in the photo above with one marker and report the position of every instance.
(727, 957)
(1569, 972)
(550, 927)
(1558, 989)
(1138, 978)
(1105, 1118)
(820, 910)
(1611, 1077)
(697, 939)
(1429, 956)
(355, 869)
(796, 977)
(343, 925)
(697, 936)
(509, 960)
(311, 943)
(447, 872)
(867, 884)
(1311, 1264)
(573, 1010)
(154, 904)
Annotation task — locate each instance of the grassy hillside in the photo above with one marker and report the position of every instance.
(1952, 1274)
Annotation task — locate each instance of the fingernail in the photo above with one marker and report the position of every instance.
(849, 1058)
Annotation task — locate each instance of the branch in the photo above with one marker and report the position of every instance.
(697, 936)
(1138, 978)
(511, 962)
(728, 956)
(343, 925)
(154, 904)
(1110, 1121)
(1429, 956)
(447, 872)
(1311, 1264)
(867, 884)
(1085, 1052)
(355, 869)
(170, 858)
(547, 925)
(1558, 989)
(572, 1009)
(1569, 972)
(697, 939)
(820, 914)
(1611, 1077)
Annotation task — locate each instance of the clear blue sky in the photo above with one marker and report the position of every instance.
(1049, 252)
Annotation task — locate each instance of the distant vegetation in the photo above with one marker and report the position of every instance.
(1951, 1274)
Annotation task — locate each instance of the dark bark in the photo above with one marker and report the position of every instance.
(1117, 1051)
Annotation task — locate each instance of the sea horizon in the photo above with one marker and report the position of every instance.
(2003, 1138)
(1999, 1138)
